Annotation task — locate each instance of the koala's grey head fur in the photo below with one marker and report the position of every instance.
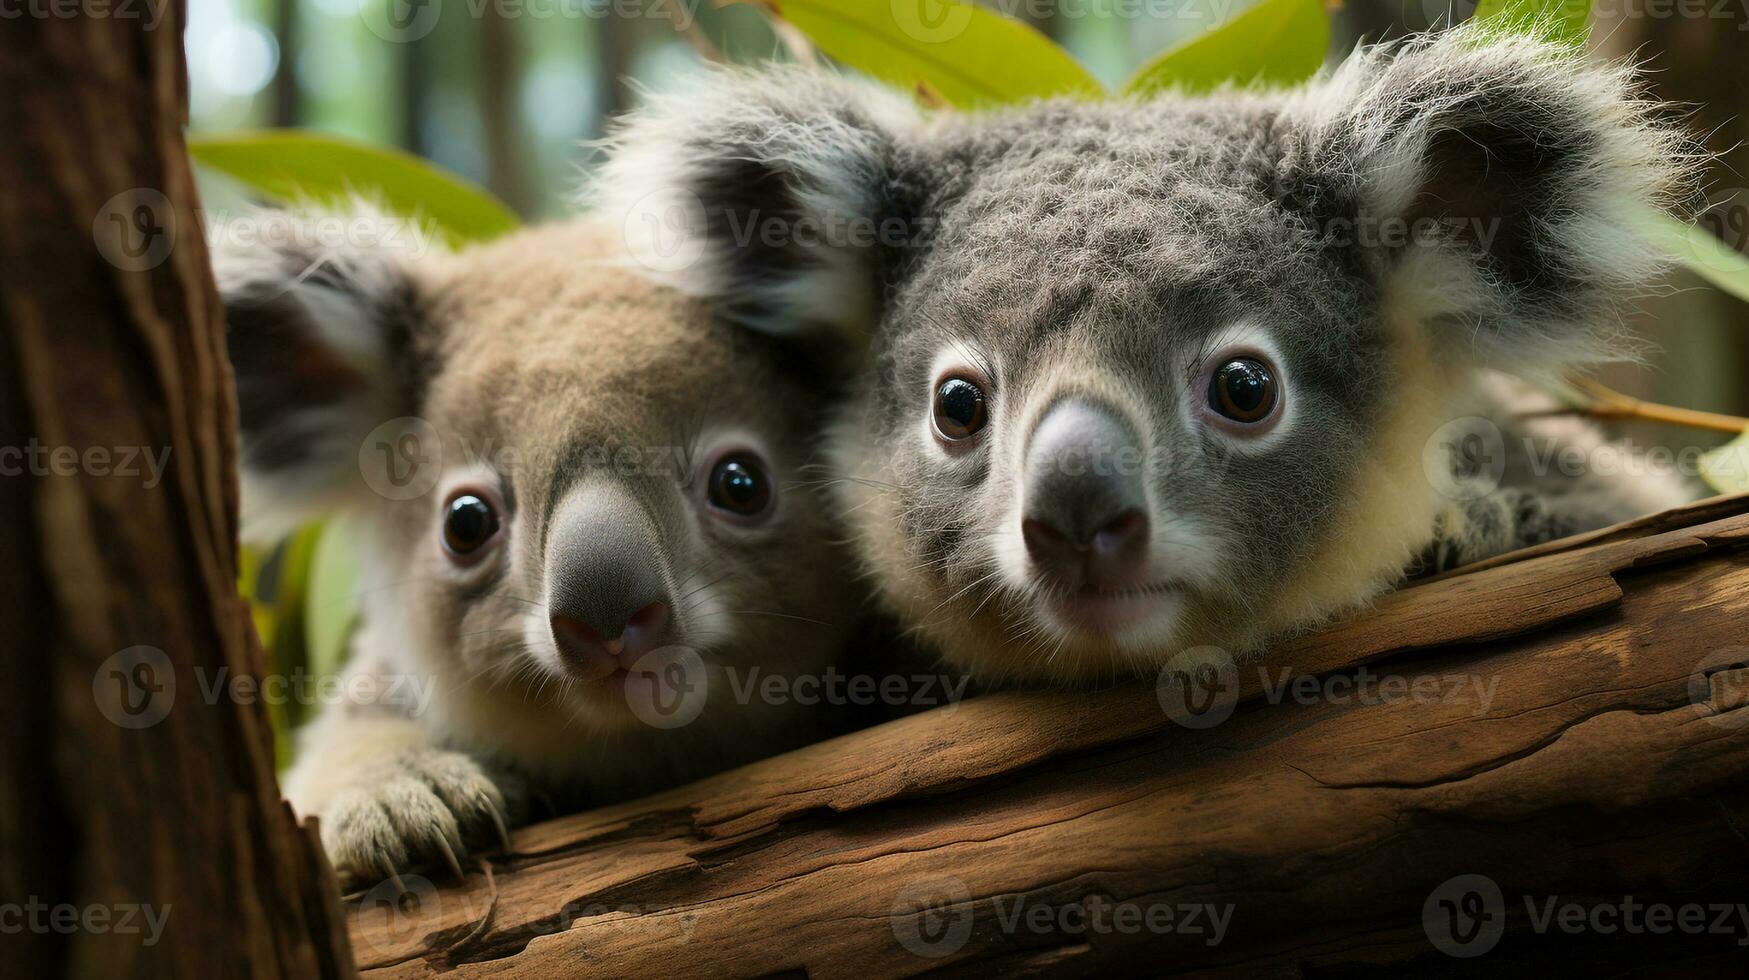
(1372, 241)
(588, 411)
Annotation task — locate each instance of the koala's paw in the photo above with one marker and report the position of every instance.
(420, 807)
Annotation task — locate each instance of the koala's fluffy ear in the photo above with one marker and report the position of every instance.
(1500, 187)
(320, 334)
(770, 193)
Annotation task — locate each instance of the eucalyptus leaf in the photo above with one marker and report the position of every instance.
(293, 166)
(968, 56)
(331, 605)
(1273, 43)
(1703, 253)
(1726, 468)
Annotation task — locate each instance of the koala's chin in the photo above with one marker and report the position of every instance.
(1136, 375)
(578, 504)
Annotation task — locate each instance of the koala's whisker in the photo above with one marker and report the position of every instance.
(716, 581)
(862, 481)
(537, 603)
(510, 663)
(778, 615)
(980, 580)
(988, 595)
(847, 511)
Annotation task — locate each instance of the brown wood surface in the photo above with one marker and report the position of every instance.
(113, 800)
(1588, 739)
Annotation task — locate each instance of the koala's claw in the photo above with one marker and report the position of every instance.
(418, 807)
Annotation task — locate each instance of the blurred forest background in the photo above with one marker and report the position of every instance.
(504, 92)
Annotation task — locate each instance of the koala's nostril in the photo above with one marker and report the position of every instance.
(1123, 537)
(1114, 553)
(1086, 519)
(1045, 543)
(607, 585)
(645, 631)
(582, 648)
(586, 650)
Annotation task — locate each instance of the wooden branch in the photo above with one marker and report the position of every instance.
(127, 797)
(1609, 403)
(1569, 724)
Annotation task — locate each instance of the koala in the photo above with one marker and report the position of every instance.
(1136, 375)
(578, 499)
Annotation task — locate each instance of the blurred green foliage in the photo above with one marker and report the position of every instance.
(303, 167)
(1276, 42)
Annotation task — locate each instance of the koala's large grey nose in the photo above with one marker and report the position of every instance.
(1085, 503)
(607, 584)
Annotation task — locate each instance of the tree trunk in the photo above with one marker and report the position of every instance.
(500, 109)
(128, 796)
(1568, 726)
(288, 96)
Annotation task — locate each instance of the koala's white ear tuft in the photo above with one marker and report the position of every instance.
(1502, 186)
(769, 193)
(320, 314)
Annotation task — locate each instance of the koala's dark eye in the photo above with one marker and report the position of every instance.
(959, 409)
(738, 485)
(469, 524)
(1244, 390)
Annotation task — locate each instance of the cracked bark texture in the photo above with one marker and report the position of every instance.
(112, 799)
(1580, 734)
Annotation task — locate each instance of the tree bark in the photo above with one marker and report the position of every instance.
(1569, 724)
(500, 107)
(288, 95)
(127, 793)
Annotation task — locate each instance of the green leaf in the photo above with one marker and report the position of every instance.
(1275, 42)
(1726, 468)
(1565, 21)
(292, 165)
(331, 606)
(969, 56)
(1703, 253)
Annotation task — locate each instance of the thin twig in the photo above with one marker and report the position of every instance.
(1610, 403)
(797, 43)
(687, 27)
